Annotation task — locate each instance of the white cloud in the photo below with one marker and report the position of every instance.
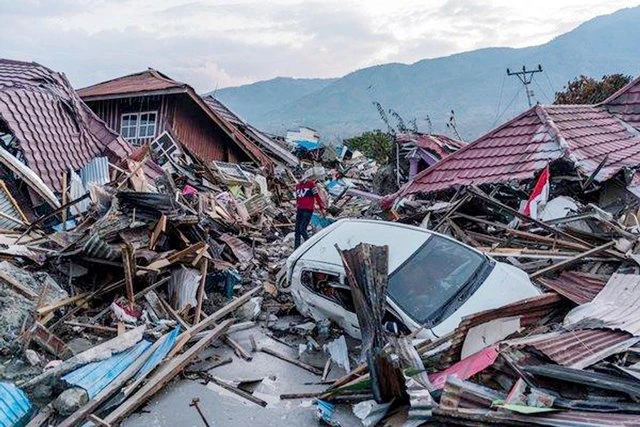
(230, 42)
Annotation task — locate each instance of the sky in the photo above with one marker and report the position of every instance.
(216, 44)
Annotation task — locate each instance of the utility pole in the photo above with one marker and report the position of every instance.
(526, 76)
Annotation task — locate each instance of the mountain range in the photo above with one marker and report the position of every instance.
(473, 84)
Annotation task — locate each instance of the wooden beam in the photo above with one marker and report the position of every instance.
(161, 227)
(212, 319)
(571, 260)
(129, 262)
(250, 397)
(165, 374)
(286, 358)
(18, 286)
(237, 348)
(204, 264)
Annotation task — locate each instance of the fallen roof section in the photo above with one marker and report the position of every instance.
(615, 307)
(257, 137)
(54, 129)
(581, 134)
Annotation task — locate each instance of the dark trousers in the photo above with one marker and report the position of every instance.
(303, 218)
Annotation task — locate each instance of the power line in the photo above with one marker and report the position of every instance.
(500, 99)
(526, 76)
(544, 92)
(506, 108)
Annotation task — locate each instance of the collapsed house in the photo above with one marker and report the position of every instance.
(45, 131)
(141, 106)
(424, 150)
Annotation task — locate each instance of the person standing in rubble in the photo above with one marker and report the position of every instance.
(307, 196)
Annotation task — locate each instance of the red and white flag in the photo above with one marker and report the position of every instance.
(539, 196)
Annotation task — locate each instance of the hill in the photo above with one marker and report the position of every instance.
(474, 84)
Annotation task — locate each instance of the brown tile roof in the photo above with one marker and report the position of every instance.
(145, 81)
(517, 150)
(625, 103)
(254, 135)
(55, 130)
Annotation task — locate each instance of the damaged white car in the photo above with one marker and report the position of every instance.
(434, 280)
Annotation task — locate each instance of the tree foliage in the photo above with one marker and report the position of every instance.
(375, 145)
(587, 90)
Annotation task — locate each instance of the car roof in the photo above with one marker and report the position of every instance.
(403, 240)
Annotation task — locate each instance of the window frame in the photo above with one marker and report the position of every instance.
(137, 139)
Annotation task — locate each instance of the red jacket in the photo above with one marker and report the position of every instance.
(307, 195)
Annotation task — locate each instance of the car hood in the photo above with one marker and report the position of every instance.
(504, 285)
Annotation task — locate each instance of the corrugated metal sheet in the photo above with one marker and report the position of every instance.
(96, 172)
(582, 348)
(145, 81)
(9, 207)
(517, 150)
(96, 247)
(159, 354)
(625, 103)
(54, 128)
(183, 287)
(458, 393)
(463, 416)
(576, 286)
(530, 311)
(615, 307)
(95, 376)
(14, 405)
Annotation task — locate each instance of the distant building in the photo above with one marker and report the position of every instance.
(424, 150)
(143, 105)
(304, 135)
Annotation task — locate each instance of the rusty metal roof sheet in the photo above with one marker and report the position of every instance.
(625, 103)
(576, 286)
(54, 129)
(582, 348)
(145, 81)
(530, 311)
(458, 393)
(474, 416)
(517, 150)
(615, 307)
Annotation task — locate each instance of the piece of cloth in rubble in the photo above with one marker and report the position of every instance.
(307, 195)
(303, 218)
(539, 196)
(189, 190)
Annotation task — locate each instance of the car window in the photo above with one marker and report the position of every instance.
(433, 275)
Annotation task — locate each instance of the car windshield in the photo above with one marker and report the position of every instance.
(432, 276)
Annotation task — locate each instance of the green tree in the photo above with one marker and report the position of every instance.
(375, 145)
(587, 90)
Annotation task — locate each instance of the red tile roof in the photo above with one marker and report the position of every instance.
(145, 81)
(625, 103)
(517, 150)
(55, 130)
